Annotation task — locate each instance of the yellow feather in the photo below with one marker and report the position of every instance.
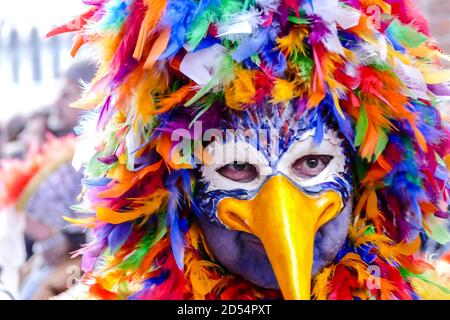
(293, 44)
(440, 275)
(200, 276)
(354, 262)
(283, 91)
(146, 208)
(321, 288)
(242, 90)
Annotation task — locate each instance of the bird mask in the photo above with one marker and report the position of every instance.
(260, 149)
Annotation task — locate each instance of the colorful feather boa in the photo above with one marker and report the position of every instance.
(372, 64)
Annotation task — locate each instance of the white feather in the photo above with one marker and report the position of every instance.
(413, 79)
(87, 142)
(200, 66)
(346, 17)
(333, 14)
(332, 42)
(240, 24)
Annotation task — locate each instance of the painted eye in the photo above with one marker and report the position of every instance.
(239, 172)
(310, 166)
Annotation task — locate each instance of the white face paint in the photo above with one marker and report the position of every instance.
(305, 146)
(227, 154)
(224, 155)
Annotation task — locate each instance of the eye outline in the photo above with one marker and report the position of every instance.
(254, 171)
(324, 158)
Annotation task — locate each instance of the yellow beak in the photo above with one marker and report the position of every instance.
(286, 221)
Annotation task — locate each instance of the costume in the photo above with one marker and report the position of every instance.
(349, 174)
(41, 187)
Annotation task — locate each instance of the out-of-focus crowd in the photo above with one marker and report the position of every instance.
(38, 187)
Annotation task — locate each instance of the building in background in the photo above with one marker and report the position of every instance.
(438, 13)
(30, 64)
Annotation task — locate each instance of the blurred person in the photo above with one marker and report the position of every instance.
(14, 127)
(53, 240)
(36, 194)
(12, 147)
(24, 132)
(64, 118)
(35, 130)
(59, 119)
(49, 192)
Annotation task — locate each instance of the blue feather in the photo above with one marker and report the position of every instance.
(177, 241)
(274, 59)
(345, 125)
(116, 13)
(318, 136)
(397, 46)
(251, 45)
(95, 182)
(119, 235)
(179, 14)
(177, 224)
(207, 42)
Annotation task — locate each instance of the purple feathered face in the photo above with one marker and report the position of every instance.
(275, 182)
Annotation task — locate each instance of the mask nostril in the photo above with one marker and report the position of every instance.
(235, 222)
(330, 212)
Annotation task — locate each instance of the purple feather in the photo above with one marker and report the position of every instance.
(439, 89)
(251, 45)
(119, 235)
(318, 29)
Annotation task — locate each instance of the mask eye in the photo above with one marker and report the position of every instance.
(311, 165)
(239, 172)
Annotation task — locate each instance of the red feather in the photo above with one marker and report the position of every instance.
(75, 25)
(409, 13)
(343, 283)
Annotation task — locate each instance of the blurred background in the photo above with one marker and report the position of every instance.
(31, 65)
(438, 13)
(33, 69)
(38, 81)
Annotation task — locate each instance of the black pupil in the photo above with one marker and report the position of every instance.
(239, 166)
(312, 163)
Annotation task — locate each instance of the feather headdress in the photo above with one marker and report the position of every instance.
(372, 64)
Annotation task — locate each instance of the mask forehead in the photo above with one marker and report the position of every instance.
(272, 129)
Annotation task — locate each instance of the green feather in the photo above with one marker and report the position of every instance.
(200, 26)
(361, 168)
(440, 160)
(297, 20)
(383, 140)
(424, 277)
(95, 168)
(304, 65)
(438, 229)
(361, 127)
(153, 235)
(406, 35)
